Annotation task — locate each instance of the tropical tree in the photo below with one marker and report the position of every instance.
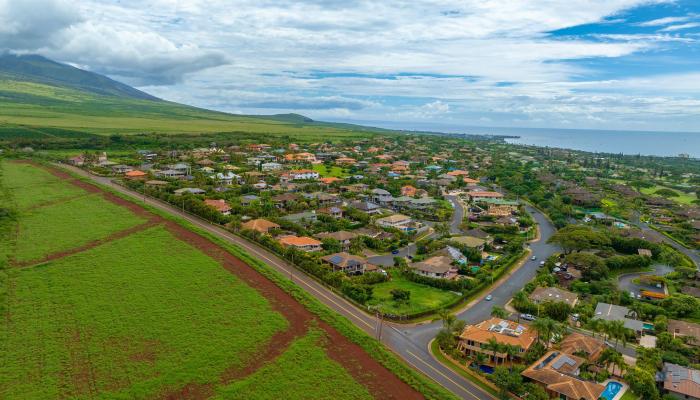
(495, 347)
(545, 328)
(612, 357)
(499, 312)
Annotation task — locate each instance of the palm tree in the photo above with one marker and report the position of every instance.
(616, 330)
(495, 347)
(499, 312)
(595, 326)
(545, 327)
(511, 351)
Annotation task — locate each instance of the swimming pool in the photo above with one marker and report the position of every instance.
(611, 390)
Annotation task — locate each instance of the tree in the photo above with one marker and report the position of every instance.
(545, 328)
(495, 347)
(579, 237)
(612, 357)
(557, 310)
(499, 312)
(507, 381)
(401, 295)
(664, 192)
(680, 305)
(642, 383)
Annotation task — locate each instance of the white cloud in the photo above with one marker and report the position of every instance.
(663, 21)
(679, 27)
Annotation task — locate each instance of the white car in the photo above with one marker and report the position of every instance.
(541, 263)
(489, 298)
(534, 258)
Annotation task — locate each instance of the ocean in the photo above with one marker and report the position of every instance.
(602, 141)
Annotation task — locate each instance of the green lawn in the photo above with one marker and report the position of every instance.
(69, 225)
(423, 297)
(31, 186)
(683, 198)
(333, 171)
(128, 319)
(304, 371)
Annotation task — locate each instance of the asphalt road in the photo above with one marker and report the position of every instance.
(409, 342)
(650, 232)
(626, 284)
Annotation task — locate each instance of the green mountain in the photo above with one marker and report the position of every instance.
(40, 98)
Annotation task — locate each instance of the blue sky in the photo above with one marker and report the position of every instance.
(597, 64)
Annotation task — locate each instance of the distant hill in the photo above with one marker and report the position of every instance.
(38, 69)
(41, 98)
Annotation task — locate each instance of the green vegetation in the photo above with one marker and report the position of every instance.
(422, 297)
(73, 223)
(32, 186)
(177, 320)
(680, 197)
(304, 371)
(333, 171)
(40, 99)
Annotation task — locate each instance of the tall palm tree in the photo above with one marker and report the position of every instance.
(511, 351)
(617, 330)
(545, 327)
(495, 347)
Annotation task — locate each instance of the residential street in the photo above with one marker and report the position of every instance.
(409, 342)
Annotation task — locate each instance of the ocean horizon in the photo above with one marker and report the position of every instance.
(652, 143)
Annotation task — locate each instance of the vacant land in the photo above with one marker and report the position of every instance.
(35, 110)
(154, 311)
(423, 297)
(683, 198)
(314, 376)
(333, 171)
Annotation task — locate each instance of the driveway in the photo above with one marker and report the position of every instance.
(626, 284)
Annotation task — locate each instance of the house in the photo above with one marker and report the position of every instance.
(586, 346)
(299, 175)
(423, 203)
(345, 161)
(483, 195)
(611, 312)
(381, 197)
(475, 339)
(333, 211)
(303, 218)
(248, 199)
(344, 237)
(300, 157)
(284, 200)
(329, 180)
(557, 372)
(470, 182)
(303, 243)
(458, 172)
(181, 168)
(121, 169)
(156, 184)
(180, 192)
(77, 161)
(345, 262)
(169, 173)
(394, 221)
(226, 178)
(219, 205)
(408, 190)
(439, 267)
(479, 233)
(270, 166)
(259, 225)
(366, 207)
(544, 294)
(684, 329)
(135, 175)
(469, 241)
(681, 382)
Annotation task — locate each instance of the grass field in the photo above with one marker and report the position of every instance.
(139, 316)
(683, 198)
(132, 317)
(36, 110)
(314, 376)
(333, 171)
(423, 297)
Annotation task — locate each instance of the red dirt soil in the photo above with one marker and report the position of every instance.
(380, 382)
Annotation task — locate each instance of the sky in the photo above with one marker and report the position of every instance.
(586, 64)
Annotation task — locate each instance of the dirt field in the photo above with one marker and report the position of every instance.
(380, 382)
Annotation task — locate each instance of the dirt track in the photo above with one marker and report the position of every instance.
(380, 382)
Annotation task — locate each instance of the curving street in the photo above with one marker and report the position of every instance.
(409, 342)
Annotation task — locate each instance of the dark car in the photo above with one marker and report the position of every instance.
(394, 252)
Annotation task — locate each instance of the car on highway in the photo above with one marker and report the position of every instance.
(528, 317)
(489, 298)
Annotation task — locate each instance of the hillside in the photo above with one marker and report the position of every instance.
(42, 98)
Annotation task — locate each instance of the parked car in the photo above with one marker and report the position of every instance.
(528, 317)
(541, 263)
(533, 258)
(489, 298)
(394, 252)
